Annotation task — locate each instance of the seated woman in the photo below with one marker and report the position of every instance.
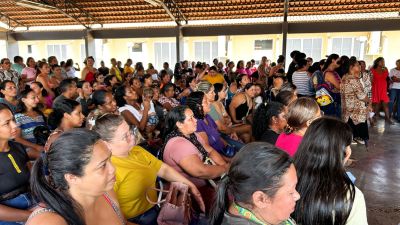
(43, 72)
(186, 152)
(74, 181)
(271, 121)
(206, 126)
(28, 118)
(104, 103)
(216, 94)
(328, 194)
(286, 97)
(56, 77)
(132, 164)
(8, 95)
(15, 199)
(167, 97)
(301, 113)
(130, 109)
(243, 198)
(45, 100)
(66, 116)
(242, 105)
(237, 86)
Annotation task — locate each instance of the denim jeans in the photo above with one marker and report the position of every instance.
(237, 144)
(147, 218)
(394, 95)
(22, 201)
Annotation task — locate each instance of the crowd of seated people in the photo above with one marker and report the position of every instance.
(108, 138)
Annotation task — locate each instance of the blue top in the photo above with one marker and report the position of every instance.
(27, 124)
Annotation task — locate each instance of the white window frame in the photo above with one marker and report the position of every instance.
(353, 39)
(171, 55)
(211, 51)
(315, 58)
(62, 57)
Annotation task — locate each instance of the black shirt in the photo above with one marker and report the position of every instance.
(104, 70)
(269, 136)
(14, 172)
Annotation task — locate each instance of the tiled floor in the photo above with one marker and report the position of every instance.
(378, 174)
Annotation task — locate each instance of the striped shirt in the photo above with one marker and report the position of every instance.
(27, 124)
(302, 82)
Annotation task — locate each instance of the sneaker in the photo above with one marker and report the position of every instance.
(359, 141)
(353, 142)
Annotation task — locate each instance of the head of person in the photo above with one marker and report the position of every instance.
(29, 100)
(124, 94)
(156, 93)
(114, 130)
(68, 87)
(89, 61)
(271, 115)
(185, 64)
(208, 90)
(56, 69)
(302, 65)
(191, 82)
(148, 80)
(354, 67)
(113, 62)
(38, 88)
(168, 90)
(287, 86)
(272, 196)
(320, 161)
(18, 59)
(363, 65)
(231, 64)
(242, 80)
(79, 162)
(240, 64)
(285, 97)
(8, 89)
(379, 62)
(5, 64)
(182, 119)
(294, 53)
(135, 83)
(102, 63)
(69, 63)
(250, 90)
(198, 103)
(30, 62)
(215, 61)
(110, 80)
(198, 68)
(8, 127)
(397, 63)
(281, 60)
(84, 87)
(104, 101)
(301, 113)
(212, 71)
(99, 77)
(165, 65)
(277, 82)
(310, 61)
(52, 60)
(248, 65)
(165, 77)
(332, 61)
(43, 68)
(219, 92)
(150, 66)
(258, 90)
(220, 66)
(129, 62)
(148, 93)
(264, 60)
(67, 113)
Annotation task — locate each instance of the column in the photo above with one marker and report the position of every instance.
(179, 44)
(11, 45)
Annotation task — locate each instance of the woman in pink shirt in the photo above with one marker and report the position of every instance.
(302, 112)
(240, 68)
(29, 72)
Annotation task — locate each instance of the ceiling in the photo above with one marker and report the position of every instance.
(92, 12)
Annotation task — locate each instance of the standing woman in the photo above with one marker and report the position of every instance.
(379, 88)
(74, 181)
(15, 200)
(328, 196)
(242, 104)
(89, 71)
(243, 198)
(28, 118)
(355, 103)
(114, 70)
(8, 95)
(28, 73)
(332, 80)
(43, 71)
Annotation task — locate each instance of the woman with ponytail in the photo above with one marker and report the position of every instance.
(74, 180)
(246, 198)
(300, 115)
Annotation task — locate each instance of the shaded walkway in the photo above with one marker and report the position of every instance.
(378, 174)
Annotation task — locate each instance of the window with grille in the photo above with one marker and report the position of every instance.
(59, 51)
(164, 52)
(205, 51)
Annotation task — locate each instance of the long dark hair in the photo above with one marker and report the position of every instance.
(194, 101)
(218, 87)
(329, 60)
(44, 91)
(119, 95)
(21, 105)
(3, 86)
(99, 97)
(69, 154)
(65, 106)
(241, 180)
(177, 114)
(263, 116)
(323, 182)
(376, 62)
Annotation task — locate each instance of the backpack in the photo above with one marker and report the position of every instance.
(322, 93)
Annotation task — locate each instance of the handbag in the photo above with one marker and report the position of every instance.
(176, 207)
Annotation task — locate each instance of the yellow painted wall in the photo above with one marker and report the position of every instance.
(241, 46)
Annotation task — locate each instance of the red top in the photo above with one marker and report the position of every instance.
(379, 86)
(89, 77)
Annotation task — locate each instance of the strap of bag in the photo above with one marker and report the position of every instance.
(159, 200)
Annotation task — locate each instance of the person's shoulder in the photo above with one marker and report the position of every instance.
(46, 218)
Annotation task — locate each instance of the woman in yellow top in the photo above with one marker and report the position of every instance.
(114, 70)
(213, 76)
(128, 69)
(136, 171)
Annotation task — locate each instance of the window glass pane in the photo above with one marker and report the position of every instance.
(157, 54)
(337, 46)
(198, 51)
(346, 46)
(207, 52)
(357, 48)
(317, 49)
(214, 50)
(307, 46)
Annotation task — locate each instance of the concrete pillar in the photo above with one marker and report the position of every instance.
(11, 45)
(179, 44)
(90, 46)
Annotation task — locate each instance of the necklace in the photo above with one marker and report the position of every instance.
(250, 216)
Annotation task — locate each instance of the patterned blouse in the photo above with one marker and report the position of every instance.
(172, 101)
(352, 93)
